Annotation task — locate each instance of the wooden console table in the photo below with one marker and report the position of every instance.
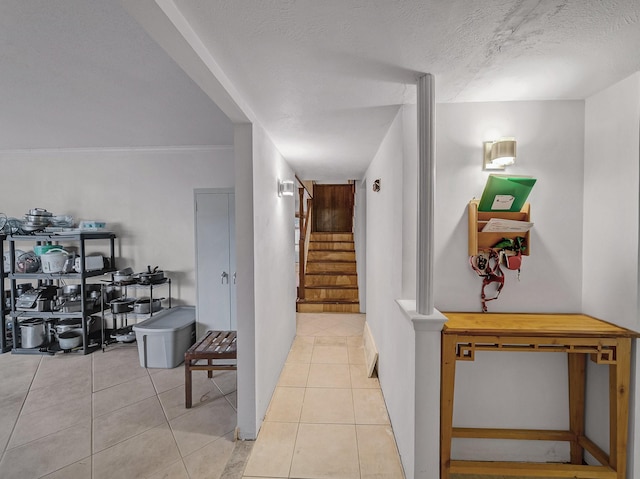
(575, 334)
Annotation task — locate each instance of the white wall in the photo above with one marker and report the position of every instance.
(245, 286)
(550, 148)
(410, 200)
(274, 267)
(144, 195)
(512, 389)
(612, 139)
(392, 331)
(610, 254)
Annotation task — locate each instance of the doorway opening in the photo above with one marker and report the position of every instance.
(326, 247)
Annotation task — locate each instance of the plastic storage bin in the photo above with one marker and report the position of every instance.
(164, 338)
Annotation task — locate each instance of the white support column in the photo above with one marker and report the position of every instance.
(426, 192)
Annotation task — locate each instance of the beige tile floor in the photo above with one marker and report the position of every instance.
(326, 419)
(103, 416)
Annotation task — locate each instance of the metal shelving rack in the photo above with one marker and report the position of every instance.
(124, 287)
(5, 344)
(49, 278)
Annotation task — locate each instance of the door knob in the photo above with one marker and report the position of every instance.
(234, 277)
(224, 276)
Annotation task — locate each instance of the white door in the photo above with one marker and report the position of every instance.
(215, 260)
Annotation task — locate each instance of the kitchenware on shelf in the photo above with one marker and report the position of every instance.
(75, 324)
(69, 263)
(31, 228)
(151, 276)
(39, 212)
(145, 306)
(27, 262)
(37, 220)
(71, 289)
(124, 275)
(41, 249)
(7, 259)
(70, 339)
(125, 337)
(65, 221)
(37, 299)
(122, 305)
(91, 263)
(53, 260)
(23, 288)
(32, 332)
(12, 226)
(92, 225)
(68, 324)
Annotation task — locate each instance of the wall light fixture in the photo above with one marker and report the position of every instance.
(285, 188)
(498, 154)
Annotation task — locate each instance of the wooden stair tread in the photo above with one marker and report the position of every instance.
(329, 301)
(332, 273)
(347, 261)
(331, 241)
(332, 286)
(331, 276)
(332, 250)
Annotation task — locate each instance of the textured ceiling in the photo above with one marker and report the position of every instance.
(325, 77)
(83, 73)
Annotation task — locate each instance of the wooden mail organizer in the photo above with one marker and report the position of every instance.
(577, 335)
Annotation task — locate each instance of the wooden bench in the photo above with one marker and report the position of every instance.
(214, 346)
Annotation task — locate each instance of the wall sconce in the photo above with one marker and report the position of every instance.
(285, 188)
(498, 154)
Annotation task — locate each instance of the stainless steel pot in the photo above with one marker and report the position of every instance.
(69, 324)
(70, 339)
(71, 289)
(39, 212)
(143, 306)
(33, 332)
(150, 278)
(122, 305)
(123, 275)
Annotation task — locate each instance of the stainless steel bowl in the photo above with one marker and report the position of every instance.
(39, 212)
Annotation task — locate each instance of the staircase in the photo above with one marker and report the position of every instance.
(330, 280)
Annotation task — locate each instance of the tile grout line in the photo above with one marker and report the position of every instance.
(353, 402)
(15, 423)
(300, 417)
(168, 422)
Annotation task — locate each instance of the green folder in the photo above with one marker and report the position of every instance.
(505, 193)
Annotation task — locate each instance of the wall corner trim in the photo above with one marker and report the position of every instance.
(421, 322)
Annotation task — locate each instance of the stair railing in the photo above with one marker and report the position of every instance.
(305, 215)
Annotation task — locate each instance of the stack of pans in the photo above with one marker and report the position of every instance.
(36, 219)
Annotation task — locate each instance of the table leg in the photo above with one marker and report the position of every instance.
(187, 383)
(619, 377)
(209, 371)
(577, 371)
(447, 384)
